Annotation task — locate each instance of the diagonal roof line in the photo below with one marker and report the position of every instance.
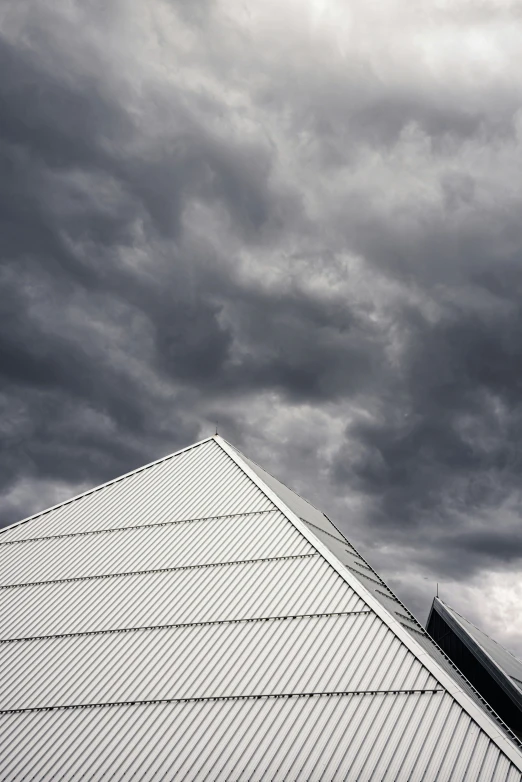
(213, 698)
(179, 625)
(155, 524)
(107, 483)
(479, 716)
(154, 570)
(451, 617)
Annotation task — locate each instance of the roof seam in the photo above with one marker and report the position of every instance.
(157, 570)
(391, 597)
(135, 526)
(380, 583)
(325, 532)
(335, 693)
(242, 620)
(413, 629)
(403, 616)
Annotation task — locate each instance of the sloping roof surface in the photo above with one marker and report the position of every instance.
(333, 538)
(494, 671)
(196, 620)
(504, 660)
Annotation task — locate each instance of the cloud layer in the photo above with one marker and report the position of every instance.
(300, 220)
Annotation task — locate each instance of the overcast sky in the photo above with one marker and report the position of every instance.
(299, 218)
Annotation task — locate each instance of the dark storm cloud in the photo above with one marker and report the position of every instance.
(203, 219)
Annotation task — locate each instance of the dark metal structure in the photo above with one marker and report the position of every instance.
(494, 672)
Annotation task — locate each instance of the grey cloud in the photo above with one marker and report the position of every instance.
(244, 232)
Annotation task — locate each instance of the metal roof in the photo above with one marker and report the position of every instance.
(196, 619)
(494, 661)
(506, 662)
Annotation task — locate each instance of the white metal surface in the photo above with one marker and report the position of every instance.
(330, 738)
(225, 539)
(196, 483)
(207, 594)
(338, 653)
(261, 607)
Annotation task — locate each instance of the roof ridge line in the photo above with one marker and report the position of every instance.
(485, 722)
(342, 539)
(107, 483)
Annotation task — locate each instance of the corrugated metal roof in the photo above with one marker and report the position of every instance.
(185, 623)
(325, 653)
(198, 482)
(224, 539)
(205, 594)
(328, 738)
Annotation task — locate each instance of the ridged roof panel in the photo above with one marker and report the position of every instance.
(201, 594)
(199, 482)
(326, 653)
(190, 543)
(318, 739)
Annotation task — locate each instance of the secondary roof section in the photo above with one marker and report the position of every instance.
(495, 672)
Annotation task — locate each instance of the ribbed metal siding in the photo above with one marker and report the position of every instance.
(328, 738)
(312, 654)
(226, 539)
(265, 588)
(197, 483)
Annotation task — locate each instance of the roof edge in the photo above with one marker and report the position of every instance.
(480, 717)
(498, 673)
(414, 619)
(104, 485)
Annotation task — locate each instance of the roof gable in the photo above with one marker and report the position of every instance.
(184, 622)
